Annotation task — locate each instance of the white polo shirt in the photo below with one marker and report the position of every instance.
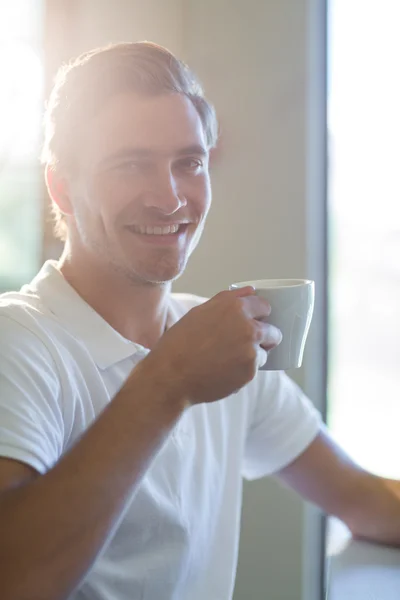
(61, 364)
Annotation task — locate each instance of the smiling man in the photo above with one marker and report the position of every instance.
(128, 414)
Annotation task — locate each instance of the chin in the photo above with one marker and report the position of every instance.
(157, 276)
(153, 270)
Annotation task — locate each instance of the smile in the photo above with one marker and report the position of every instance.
(158, 230)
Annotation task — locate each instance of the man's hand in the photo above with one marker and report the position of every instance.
(217, 347)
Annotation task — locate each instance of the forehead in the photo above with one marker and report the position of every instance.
(162, 124)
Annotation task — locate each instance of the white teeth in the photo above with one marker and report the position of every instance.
(156, 230)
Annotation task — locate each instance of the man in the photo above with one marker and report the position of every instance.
(128, 415)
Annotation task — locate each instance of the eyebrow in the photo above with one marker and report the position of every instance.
(138, 153)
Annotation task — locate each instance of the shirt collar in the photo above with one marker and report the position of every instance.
(105, 344)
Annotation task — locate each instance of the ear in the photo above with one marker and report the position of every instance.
(57, 186)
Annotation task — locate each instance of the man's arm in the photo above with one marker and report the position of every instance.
(52, 527)
(367, 504)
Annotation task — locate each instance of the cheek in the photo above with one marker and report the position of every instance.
(111, 195)
(201, 194)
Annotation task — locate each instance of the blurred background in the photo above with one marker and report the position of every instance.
(305, 185)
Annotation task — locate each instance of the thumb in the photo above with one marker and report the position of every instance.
(241, 292)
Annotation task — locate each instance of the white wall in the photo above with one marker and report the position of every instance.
(254, 59)
(103, 21)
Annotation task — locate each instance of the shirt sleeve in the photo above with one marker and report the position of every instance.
(282, 425)
(31, 420)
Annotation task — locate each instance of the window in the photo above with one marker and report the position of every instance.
(364, 214)
(21, 107)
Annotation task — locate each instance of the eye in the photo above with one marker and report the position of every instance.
(190, 164)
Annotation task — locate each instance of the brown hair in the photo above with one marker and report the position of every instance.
(85, 84)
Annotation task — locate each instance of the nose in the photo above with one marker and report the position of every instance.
(164, 195)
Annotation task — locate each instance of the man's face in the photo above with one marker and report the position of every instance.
(143, 190)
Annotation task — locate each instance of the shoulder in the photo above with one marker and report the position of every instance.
(21, 318)
(30, 339)
(17, 316)
(31, 399)
(25, 349)
(277, 389)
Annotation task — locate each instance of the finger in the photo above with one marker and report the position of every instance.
(234, 293)
(262, 357)
(242, 292)
(269, 336)
(256, 307)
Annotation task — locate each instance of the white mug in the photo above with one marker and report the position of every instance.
(292, 305)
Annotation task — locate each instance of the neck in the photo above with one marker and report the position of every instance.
(137, 310)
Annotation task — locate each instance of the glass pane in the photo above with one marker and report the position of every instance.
(364, 197)
(21, 106)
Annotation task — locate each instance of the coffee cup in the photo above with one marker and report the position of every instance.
(292, 305)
